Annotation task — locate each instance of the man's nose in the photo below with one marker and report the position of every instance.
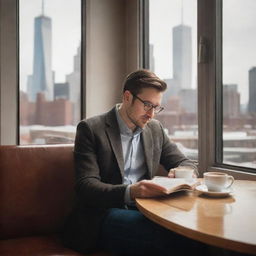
(151, 112)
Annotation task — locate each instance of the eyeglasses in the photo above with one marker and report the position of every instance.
(148, 106)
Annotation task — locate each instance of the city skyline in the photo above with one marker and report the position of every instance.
(47, 102)
(66, 35)
(231, 74)
(238, 38)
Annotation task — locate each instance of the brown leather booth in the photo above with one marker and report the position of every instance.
(36, 195)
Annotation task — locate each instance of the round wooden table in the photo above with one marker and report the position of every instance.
(228, 222)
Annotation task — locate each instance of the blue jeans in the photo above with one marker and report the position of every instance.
(128, 232)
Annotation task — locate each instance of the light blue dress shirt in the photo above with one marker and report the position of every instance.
(134, 159)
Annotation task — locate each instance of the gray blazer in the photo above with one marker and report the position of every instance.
(99, 168)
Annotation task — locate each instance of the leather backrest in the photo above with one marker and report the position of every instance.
(36, 189)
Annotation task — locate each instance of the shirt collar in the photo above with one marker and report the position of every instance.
(124, 129)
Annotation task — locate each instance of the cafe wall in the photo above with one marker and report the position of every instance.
(111, 51)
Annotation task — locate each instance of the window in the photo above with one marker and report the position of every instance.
(49, 70)
(239, 83)
(172, 56)
(221, 135)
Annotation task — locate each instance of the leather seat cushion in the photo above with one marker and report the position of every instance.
(36, 189)
(38, 246)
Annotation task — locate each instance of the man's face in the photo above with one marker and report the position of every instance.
(135, 108)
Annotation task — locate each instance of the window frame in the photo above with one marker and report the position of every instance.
(210, 139)
(8, 72)
(9, 69)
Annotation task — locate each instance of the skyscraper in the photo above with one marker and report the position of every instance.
(74, 81)
(231, 100)
(42, 77)
(182, 56)
(182, 62)
(151, 58)
(252, 90)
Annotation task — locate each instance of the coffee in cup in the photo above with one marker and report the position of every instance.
(184, 172)
(217, 181)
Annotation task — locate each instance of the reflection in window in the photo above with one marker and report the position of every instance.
(239, 83)
(172, 47)
(50, 50)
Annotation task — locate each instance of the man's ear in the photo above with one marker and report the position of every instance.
(127, 96)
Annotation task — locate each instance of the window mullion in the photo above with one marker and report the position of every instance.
(207, 85)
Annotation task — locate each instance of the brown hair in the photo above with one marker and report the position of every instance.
(143, 78)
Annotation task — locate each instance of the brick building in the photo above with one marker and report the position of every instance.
(42, 112)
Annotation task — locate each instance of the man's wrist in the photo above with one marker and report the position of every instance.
(128, 198)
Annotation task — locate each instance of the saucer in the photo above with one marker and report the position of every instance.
(204, 190)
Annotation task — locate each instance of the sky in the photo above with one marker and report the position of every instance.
(66, 35)
(239, 38)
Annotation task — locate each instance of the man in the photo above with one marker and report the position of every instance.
(116, 154)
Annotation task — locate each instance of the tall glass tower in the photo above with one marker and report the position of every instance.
(252, 90)
(42, 78)
(182, 56)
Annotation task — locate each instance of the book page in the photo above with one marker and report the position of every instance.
(175, 184)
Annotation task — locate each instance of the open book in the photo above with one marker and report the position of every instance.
(170, 185)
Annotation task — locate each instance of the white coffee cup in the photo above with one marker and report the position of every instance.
(217, 181)
(183, 172)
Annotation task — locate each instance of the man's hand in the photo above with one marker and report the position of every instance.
(141, 189)
(171, 173)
